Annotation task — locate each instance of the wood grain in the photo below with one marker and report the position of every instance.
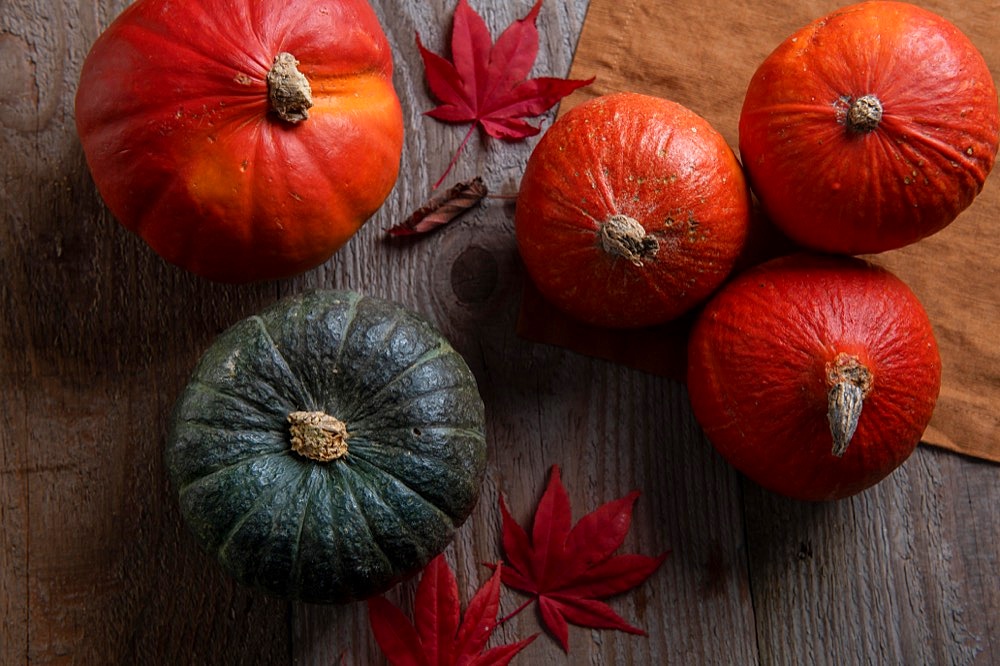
(98, 336)
(896, 575)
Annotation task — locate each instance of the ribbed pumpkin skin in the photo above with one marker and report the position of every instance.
(337, 531)
(757, 373)
(651, 160)
(836, 190)
(173, 115)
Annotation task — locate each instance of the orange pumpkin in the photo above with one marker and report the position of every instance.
(242, 139)
(631, 211)
(870, 128)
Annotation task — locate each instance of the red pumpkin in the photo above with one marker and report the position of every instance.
(815, 376)
(870, 128)
(242, 139)
(631, 211)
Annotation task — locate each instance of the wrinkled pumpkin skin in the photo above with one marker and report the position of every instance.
(837, 189)
(174, 116)
(349, 528)
(759, 373)
(631, 211)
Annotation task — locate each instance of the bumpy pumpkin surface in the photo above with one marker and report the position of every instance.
(814, 375)
(870, 128)
(327, 448)
(631, 211)
(242, 139)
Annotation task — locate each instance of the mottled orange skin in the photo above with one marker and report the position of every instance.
(654, 161)
(835, 190)
(173, 114)
(757, 373)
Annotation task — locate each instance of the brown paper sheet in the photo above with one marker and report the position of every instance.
(703, 54)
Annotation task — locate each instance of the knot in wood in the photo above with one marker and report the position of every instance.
(318, 436)
(623, 236)
(288, 90)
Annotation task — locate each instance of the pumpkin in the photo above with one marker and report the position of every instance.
(870, 128)
(814, 375)
(631, 211)
(242, 140)
(328, 447)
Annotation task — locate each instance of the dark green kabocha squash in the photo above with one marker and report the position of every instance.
(328, 448)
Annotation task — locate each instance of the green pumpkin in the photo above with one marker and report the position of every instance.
(328, 447)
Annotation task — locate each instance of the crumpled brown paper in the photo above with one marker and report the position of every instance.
(703, 55)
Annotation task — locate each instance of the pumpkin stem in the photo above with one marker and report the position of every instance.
(850, 383)
(288, 89)
(864, 114)
(623, 236)
(318, 436)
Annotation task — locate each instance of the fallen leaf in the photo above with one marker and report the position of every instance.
(439, 636)
(487, 84)
(570, 569)
(442, 209)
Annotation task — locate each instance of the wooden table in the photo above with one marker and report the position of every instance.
(98, 336)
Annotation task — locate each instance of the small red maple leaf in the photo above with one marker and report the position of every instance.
(569, 569)
(439, 636)
(487, 84)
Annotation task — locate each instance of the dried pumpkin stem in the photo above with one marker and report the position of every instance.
(849, 383)
(864, 114)
(288, 89)
(318, 436)
(623, 236)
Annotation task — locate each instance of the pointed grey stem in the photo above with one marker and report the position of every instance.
(844, 402)
(849, 383)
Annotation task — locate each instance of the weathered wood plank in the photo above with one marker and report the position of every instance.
(99, 335)
(15, 486)
(903, 573)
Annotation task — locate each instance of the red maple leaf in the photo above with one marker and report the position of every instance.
(569, 569)
(439, 636)
(487, 84)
